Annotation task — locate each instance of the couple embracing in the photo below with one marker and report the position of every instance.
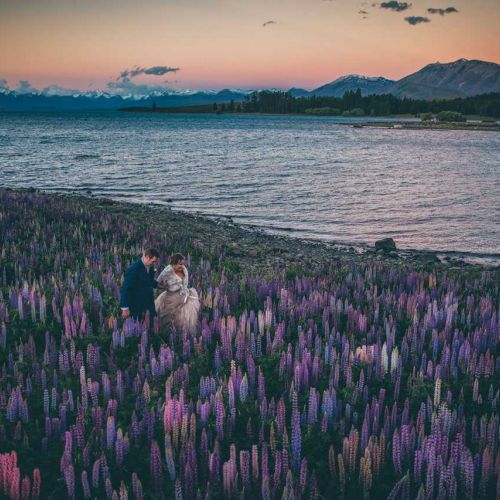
(178, 305)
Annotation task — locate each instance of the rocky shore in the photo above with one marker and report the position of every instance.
(253, 250)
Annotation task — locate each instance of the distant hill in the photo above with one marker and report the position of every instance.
(368, 85)
(296, 92)
(461, 78)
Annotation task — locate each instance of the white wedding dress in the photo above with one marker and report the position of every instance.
(178, 305)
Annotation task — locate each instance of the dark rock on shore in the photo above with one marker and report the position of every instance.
(386, 245)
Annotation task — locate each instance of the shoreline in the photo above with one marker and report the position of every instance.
(253, 249)
(407, 125)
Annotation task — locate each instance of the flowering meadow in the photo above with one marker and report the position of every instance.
(360, 379)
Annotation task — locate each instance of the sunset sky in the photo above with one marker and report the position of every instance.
(202, 44)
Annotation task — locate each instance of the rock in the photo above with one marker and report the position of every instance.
(386, 245)
(279, 250)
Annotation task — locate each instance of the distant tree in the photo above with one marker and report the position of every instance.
(354, 112)
(450, 116)
(246, 104)
(215, 107)
(425, 117)
(327, 111)
(254, 102)
(358, 99)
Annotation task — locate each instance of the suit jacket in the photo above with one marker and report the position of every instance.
(136, 292)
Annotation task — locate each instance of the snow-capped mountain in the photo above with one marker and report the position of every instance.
(367, 84)
(94, 100)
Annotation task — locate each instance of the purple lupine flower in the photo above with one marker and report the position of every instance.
(155, 466)
(110, 432)
(36, 484)
(69, 478)
(108, 488)
(303, 475)
(119, 447)
(296, 439)
(265, 491)
(169, 457)
(261, 389)
(255, 463)
(178, 490)
(244, 388)
(3, 336)
(95, 473)
(219, 415)
(85, 485)
(245, 467)
(25, 488)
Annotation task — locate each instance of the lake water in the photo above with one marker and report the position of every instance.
(300, 176)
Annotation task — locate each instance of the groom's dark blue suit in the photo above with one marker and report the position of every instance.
(137, 290)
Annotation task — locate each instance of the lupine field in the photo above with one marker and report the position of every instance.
(360, 379)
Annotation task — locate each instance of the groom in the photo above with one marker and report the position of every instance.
(136, 293)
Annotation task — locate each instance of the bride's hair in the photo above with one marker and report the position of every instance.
(176, 258)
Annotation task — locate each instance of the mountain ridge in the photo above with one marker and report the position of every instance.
(460, 78)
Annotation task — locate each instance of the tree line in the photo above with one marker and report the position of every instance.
(353, 103)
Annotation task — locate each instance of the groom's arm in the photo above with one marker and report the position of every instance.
(127, 286)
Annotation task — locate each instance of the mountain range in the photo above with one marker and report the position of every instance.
(461, 78)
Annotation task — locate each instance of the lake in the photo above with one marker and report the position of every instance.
(302, 176)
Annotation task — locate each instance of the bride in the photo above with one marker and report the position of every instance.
(178, 304)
